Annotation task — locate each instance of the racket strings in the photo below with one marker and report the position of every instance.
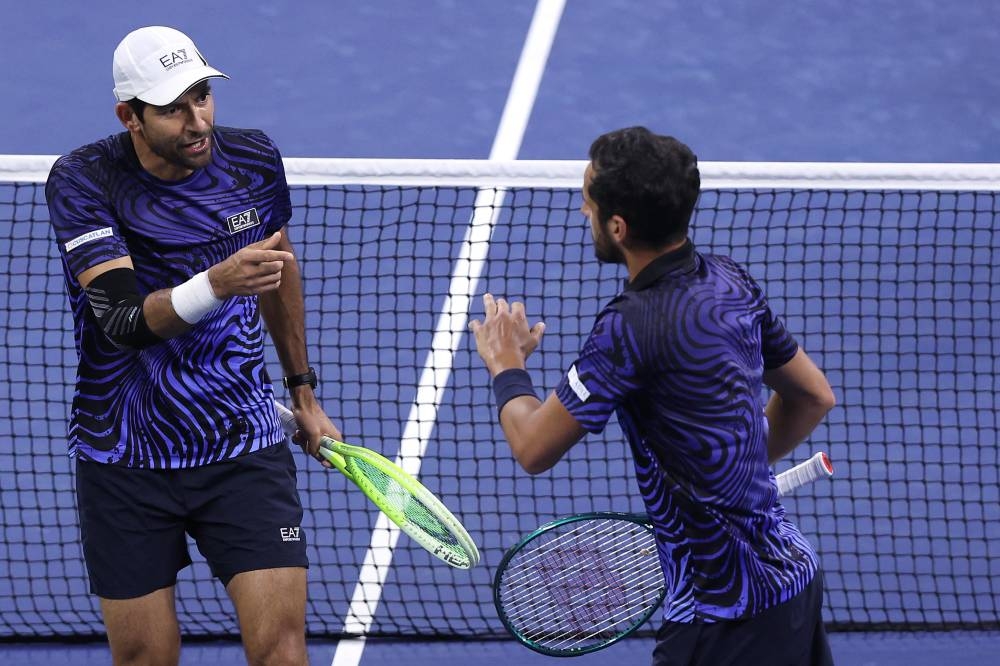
(589, 602)
(410, 507)
(591, 616)
(591, 619)
(572, 562)
(590, 582)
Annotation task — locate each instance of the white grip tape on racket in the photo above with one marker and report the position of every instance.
(817, 467)
(287, 418)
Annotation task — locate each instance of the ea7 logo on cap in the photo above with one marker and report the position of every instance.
(174, 58)
(244, 220)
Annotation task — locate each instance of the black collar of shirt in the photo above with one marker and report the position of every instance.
(676, 260)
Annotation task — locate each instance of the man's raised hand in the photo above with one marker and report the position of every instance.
(255, 269)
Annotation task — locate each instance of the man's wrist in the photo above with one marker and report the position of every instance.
(307, 378)
(195, 298)
(511, 383)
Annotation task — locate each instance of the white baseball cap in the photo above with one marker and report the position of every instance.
(157, 65)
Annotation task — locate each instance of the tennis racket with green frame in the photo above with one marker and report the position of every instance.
(403, 499)
(578, 584)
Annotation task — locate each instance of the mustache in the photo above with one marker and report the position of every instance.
(195, 138)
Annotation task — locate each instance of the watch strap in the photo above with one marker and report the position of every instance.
(301, 380)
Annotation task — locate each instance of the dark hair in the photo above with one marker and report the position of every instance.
(651, 181)
(137, 106)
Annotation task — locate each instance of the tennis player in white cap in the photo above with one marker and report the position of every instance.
(175, 250)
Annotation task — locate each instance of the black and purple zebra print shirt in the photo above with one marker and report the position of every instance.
(679, 356)
(205, 395)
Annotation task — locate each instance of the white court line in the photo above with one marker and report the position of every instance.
(452, 323)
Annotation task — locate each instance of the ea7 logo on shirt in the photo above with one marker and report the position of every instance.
(244, 220)
(290, 533)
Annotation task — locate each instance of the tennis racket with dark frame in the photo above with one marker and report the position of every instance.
(401, 497)
(581, 583)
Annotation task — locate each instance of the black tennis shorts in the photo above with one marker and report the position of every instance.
(790, 634)
(244, 514)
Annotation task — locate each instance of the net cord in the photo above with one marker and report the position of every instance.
(569, 173)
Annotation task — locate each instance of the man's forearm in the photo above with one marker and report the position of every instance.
(283, 311)
(789, 423)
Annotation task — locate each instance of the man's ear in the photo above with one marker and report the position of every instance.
(618, 228)
(127, 117)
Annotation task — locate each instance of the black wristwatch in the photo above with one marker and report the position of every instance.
(301, 380)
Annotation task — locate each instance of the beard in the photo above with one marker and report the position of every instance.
(606, 251)
(173, 152)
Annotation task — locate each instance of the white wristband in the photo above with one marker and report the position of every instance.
(194, 299)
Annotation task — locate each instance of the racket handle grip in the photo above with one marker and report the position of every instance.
(817, 467)
(287, 418)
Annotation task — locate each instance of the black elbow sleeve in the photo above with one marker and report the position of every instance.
(117, 304)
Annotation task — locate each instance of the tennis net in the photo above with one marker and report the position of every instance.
(887, 274)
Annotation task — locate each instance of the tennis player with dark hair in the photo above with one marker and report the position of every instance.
(682, 356)
(174, 246)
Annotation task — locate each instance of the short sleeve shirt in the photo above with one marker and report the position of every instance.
(200, 397)
(679, 356)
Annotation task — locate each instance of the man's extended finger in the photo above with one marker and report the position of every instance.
(260, 256)
(489, 305)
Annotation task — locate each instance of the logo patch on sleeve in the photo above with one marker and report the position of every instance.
(244, 220)
(574, 383)
(89, 236)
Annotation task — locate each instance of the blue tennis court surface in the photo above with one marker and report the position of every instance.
(888, 80)
(877, 81)
(894, 649)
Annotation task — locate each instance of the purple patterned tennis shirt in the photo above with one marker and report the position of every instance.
(679, 356)
(204, 395)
